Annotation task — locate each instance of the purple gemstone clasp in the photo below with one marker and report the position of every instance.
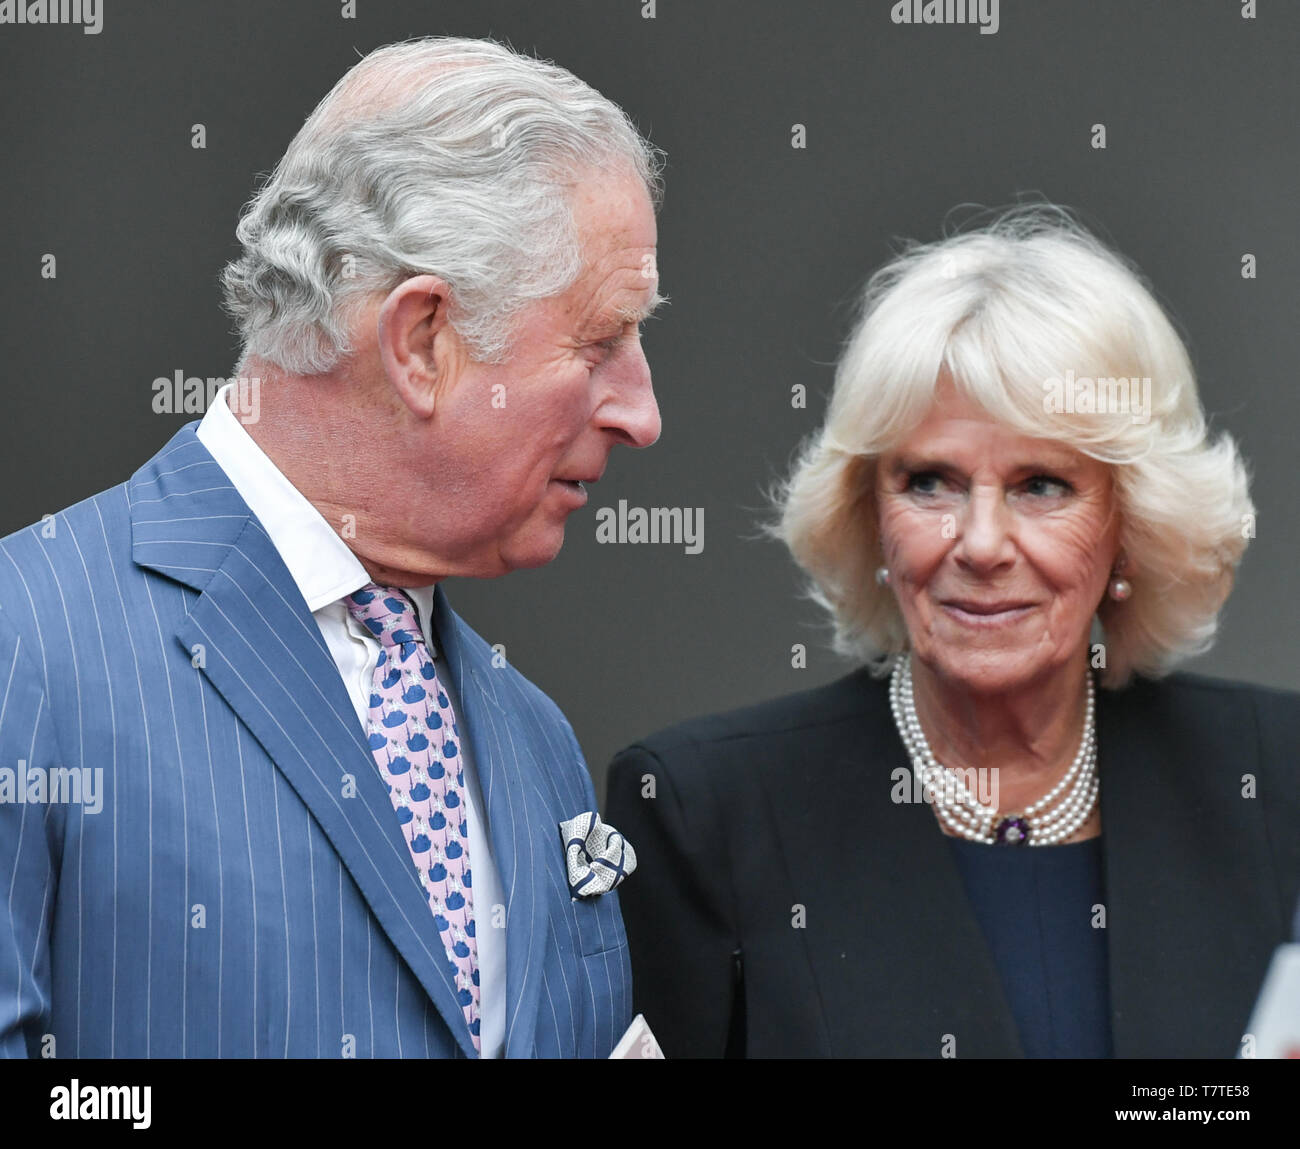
(1012, 832)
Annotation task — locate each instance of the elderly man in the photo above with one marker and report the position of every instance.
(326, 819)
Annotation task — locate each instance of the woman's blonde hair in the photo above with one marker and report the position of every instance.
(1033, 318)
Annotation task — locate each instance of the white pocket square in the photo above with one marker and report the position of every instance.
(596, 856)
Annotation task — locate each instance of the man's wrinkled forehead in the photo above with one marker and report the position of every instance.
(620, 280)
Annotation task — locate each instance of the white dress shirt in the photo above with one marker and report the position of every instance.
(326, 570)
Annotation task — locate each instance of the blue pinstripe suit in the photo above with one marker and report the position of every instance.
(245, 890)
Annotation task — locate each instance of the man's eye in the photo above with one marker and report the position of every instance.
(614, 342)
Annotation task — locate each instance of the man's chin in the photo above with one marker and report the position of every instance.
(533, 553)
(512, 555)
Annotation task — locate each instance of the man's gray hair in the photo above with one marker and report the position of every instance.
(445, 156)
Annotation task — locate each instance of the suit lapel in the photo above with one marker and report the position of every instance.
(263, 651)
(517, 816)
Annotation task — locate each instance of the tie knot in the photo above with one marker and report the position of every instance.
(386, 612)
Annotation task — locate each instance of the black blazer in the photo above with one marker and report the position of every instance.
(749, 815)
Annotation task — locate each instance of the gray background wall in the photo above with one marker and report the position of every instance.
(762, 247)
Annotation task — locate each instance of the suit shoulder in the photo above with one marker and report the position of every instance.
(1223, 722)
(1213, 697)
(851, 698)
(110, 506)
(37, 558)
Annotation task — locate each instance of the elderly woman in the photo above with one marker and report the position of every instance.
(1012, 831)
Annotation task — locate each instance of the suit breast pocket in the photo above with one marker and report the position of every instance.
(593, 948)
(599, 923)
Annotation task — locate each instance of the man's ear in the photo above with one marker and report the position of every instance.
(420, 350)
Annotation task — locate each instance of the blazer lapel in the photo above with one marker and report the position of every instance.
(264, 653)
(911, 918)
(517, 817)
(1187, 872)
(1191, 912)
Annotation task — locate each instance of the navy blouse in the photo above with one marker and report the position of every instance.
(1035, 906)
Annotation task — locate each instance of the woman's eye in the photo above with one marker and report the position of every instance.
(1045, 485)
(924, 482)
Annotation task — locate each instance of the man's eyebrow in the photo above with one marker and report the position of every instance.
(640, 314)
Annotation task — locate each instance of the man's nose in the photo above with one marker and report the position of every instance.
(633, 411)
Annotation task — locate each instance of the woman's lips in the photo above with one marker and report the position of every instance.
(986, 615)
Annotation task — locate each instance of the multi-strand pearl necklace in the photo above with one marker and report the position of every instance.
(1052, 819)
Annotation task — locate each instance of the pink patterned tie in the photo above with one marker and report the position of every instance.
(416, 742)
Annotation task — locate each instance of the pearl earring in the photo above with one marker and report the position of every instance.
(1119, 589)
(882, 576)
